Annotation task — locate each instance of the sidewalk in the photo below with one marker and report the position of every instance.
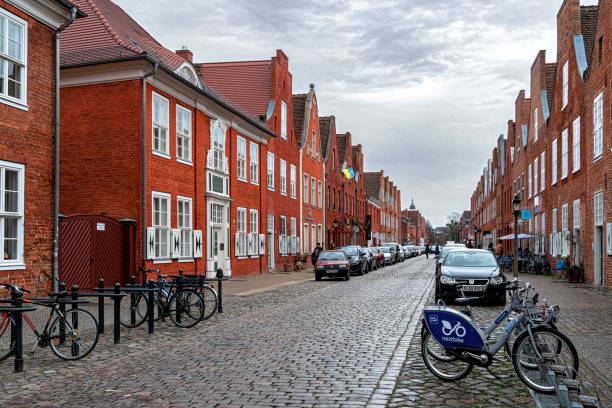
(585, 317)
(251, 284)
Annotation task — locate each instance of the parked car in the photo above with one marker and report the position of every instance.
(332, 263)
(389, 255)
(370, 259)
(380, 257)
(357, 259)
(395, 250)
(476, 269)
(402, 254)
(444, 251)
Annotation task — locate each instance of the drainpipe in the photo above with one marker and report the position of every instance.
(144, 161)
(55, 277)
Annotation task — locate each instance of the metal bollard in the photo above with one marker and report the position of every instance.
(18, 303)
(74, 292)
(62, 309)
(117, 314)
(101, 307)
(220, 292)
(133, 301)
(151, 306)
(179, 301)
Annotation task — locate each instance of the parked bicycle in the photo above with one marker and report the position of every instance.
(452, 343)
(72, 335)
(184, 306)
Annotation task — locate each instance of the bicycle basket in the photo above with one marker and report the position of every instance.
(451, 328)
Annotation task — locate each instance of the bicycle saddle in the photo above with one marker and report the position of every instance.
(466, 300)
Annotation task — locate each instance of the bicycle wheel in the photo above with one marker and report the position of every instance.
(186, 308)
(518, 329)
(441, 363)
(546, 340)
(134, 309)
(81, 334)
(7, 342)
(211, 301)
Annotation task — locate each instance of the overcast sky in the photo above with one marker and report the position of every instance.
(426, 86)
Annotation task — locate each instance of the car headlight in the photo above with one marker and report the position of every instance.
(354, 261)
(498, 280)
(446, 279)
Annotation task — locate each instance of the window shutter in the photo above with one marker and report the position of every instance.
(175, 243)
(566, 243)
(197, 243)
(551, 244)
(237, 244)
(609, 238)
(262, 244)
(150, 243)
(280, 244)
(298, 244)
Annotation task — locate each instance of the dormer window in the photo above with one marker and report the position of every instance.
(187, 72)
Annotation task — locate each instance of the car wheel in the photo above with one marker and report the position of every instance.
(317, 276)
(347, 275)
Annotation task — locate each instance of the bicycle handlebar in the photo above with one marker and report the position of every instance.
(15, 287)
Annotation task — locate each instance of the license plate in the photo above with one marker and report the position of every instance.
(473, 288)
(331, 267)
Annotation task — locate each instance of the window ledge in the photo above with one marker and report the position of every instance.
(242, 257)
(188, 163)
(162, 261)
(254, 256)
(186, 260)
(598, 158)
(12, 267)
(14, 104)
(270, 189)
(283, 194)
(160, 154)
(255, 184)
(244, 180)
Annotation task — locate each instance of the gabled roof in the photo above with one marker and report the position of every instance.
(588, 27)
(371, 182)
(551, 72)
(246, 83)
(341, 143)
(299, 107)
(326, 126)
(108, 33)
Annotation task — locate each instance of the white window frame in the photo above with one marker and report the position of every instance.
(553, 164)
(19, 262)
(320, 193)
(183, 135)
(283, 177)
(554, 220)
(270, 178)
(535, 125)
(530, 174)
(564, 153)
(185, 225)
(241, 229)
(283, 225)
(542, 171)
(598, 208)
(576, 145)
(535, 176)
(565, 246)
(162, 227)
(283, 132)
(565, 85)
(293, 227)
(305, 238)
(314, 144)
(576, 214)
(218, 145)
(254, 163)
(241, 159)
(254, 222)
(306, 190)
(598, 126)
(22, 61)
(292, 188)
(313, 191)
(160, 125)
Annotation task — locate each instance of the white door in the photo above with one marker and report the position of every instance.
(598, 252)
(219, 248)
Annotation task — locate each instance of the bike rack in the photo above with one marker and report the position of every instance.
(197, 281)
(17, 331)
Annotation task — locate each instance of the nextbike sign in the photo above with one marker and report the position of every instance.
(452, 329)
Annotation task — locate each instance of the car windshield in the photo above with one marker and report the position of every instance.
(332, 256)
(386, 250)
(374, 250)
(350, 251)
(470, 259)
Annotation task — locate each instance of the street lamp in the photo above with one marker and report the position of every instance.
(516, 208)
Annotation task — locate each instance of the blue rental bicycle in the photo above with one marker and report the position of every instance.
(452, 343)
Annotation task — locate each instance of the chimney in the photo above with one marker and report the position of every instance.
(185, 53)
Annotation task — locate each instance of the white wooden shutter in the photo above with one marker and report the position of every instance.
(249, 244)
(175, 243)
(262, 244)
(298, 243)
(609, 238)
(150, 243)
(566, 243)
(197, 243)
(280, 244)
(237, 244)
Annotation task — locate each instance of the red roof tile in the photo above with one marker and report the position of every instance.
(109, 33)
(246, 83)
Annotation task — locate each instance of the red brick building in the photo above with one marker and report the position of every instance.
(372, 185)
(413, 227)
(311, 168)
(264, 89)
(333, 181)
(171, 156)
(27, 139)
(390, 201)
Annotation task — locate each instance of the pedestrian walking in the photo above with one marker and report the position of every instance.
(315, 254)
(491, 246)
(427, 251)
(499, 251)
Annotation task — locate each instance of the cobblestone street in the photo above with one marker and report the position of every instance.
(326, 343)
